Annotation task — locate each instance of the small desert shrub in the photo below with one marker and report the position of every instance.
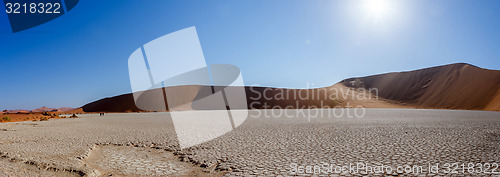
(6, 119)
(44, 119)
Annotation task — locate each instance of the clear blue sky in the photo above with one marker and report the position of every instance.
(82, 56)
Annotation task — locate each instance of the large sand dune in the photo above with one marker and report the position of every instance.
(337, 95)
(454, 86)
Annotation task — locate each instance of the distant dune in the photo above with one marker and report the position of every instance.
(45, 109)
(73, 111)
(454, 86)
(42, 109)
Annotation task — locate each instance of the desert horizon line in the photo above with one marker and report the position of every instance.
(262, 86)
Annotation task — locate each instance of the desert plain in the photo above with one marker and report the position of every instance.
(144, 144)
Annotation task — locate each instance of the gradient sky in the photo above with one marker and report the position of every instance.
(82, 56)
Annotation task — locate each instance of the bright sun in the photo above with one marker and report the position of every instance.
(377, 8)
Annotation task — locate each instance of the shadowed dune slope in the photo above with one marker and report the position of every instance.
(256, 98)
(121, 103)
(454, 86)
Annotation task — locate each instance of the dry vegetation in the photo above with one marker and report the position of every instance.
(44, 116)
(6, 119)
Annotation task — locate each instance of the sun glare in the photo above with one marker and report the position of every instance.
(377, 8)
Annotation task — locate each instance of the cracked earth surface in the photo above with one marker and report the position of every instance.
(145, 144)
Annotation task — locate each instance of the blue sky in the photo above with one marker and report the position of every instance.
(82, 56)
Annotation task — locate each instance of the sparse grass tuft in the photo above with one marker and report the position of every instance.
(6, 119)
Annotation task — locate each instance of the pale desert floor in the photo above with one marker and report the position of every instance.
(142, 144)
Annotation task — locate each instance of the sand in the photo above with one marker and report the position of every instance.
(454, 86)
(337, 95)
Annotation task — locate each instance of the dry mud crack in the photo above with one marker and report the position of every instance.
(113, 160)
(11, 166)
(144, 144)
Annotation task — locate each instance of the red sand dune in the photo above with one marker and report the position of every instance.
(256, 99)
(17, 111)
(42, 109)
(65, 109)
(45, 109)
(121, 103)
(73, 111)
(455, 86)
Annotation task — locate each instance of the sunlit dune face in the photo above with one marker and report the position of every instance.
(377, 9)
